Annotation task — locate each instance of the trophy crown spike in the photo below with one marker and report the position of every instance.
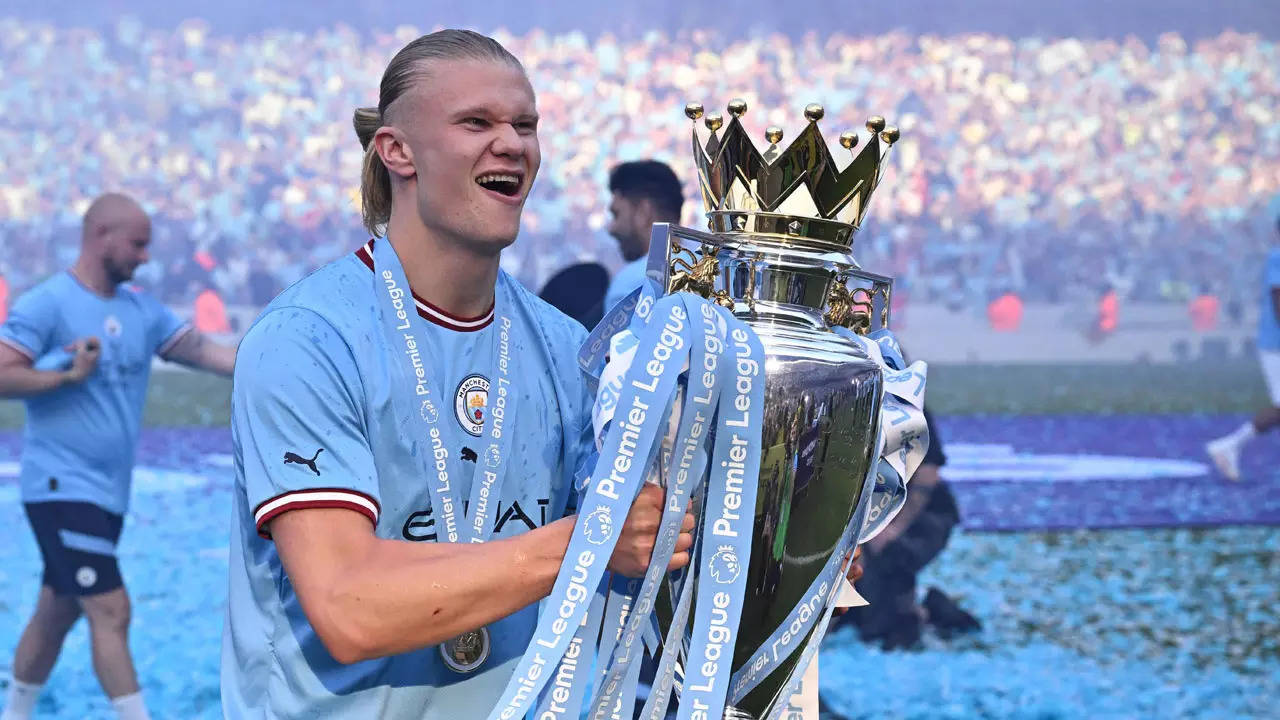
(693, 110)
(794, 194)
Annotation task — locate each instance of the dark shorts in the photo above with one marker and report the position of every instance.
(78, 543)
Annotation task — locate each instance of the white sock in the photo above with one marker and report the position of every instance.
(22, 700)
(1242, 434)
(130, 707)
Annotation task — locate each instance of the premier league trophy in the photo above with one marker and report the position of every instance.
(779, 254)
(754, 377)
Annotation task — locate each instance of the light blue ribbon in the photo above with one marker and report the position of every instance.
(728, 528)
(401, 323)
(688, 463)
(614, 483)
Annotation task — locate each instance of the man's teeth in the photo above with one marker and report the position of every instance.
(483, 179)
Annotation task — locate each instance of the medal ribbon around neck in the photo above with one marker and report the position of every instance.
(407, 331)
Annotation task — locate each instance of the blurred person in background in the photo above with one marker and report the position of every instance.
(578, 291)
(1005, 312)
(644, 192)
(892, 560)
(1108, 315)
(77, 348)
(1225, 451)
(210, 311)
(1203, 310)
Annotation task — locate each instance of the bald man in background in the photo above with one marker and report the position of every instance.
(77, 350)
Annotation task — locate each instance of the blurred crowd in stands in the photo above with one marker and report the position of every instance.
(1053, 170)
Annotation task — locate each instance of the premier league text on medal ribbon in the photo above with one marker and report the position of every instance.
(397, 294)
(439, 453)
(494, 419)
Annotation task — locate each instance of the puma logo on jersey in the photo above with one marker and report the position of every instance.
(292, 457)
(468, 455)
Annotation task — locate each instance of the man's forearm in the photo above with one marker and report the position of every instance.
(24, 382)
(195, 350)
(400, 596)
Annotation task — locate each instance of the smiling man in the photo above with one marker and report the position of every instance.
(411, 383)
(77, 350)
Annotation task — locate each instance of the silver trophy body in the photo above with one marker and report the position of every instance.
(822, 410)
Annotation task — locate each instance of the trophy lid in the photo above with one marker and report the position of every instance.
(797, 195)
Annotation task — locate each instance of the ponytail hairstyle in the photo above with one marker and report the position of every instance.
(407, 67)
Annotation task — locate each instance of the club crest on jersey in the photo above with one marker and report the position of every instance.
(112, 327)
(470, 402)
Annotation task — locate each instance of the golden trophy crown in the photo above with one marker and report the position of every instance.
(797, 195)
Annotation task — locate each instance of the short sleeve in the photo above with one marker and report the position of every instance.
(164, 326)
(31, 324)
(1273, 270)
(297, 420)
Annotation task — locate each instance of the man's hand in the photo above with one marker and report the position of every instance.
(640, 533)
(85, 359)
(854, 573)
(855, 567)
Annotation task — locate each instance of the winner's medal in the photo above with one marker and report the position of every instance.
(466, 652)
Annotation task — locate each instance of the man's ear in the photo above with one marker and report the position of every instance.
(393, 147)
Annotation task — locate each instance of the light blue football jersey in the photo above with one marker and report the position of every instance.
(1268, 326)
(313, 425)
(79, 440)
(629, 277)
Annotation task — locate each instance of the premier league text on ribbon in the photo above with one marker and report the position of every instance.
(748, 369)
(609, 492)
(669, 342)
(438, 451)
(396, 293)
(494, 419)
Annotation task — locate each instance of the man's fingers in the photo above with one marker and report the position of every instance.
(689, 522)
(684, 542)
(678, 560)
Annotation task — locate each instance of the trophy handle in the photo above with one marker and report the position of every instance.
(685, 260)
(857, 299)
